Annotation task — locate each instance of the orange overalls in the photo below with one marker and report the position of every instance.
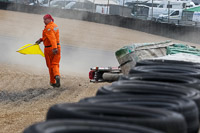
(50, 38)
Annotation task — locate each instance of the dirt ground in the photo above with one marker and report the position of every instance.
(25, 94)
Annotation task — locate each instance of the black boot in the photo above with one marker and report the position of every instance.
(57, 78)
(53, 85)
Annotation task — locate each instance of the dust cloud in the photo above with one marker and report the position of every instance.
(9, 55)
(77, 56)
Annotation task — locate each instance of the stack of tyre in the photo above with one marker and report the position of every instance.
(158, 96)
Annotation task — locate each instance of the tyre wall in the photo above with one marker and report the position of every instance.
(184, 33)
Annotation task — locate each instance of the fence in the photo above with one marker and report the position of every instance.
(184, 33)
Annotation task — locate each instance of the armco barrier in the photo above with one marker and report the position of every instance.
(184, 33)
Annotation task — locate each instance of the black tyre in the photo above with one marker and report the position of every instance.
(167, 62)
(147, 88)
(173, 79)
(181, 105)
(85, 126)
(167, 69)
(163, 120)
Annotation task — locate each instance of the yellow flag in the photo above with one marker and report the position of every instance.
(31, 49)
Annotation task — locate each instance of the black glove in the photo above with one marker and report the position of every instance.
(38, 41)
(55, 51)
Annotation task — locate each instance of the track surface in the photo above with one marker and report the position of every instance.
(25, 94)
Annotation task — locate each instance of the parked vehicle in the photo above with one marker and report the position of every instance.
(173, 17)
(196, 2)
(176, 4)
(146, 12)
(73, 4)
(69, 5)
(60, 4)
(133, 4)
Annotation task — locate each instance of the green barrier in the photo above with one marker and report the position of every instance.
(131, 48)
(181, 48)
(129, 55)
(124, 51)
